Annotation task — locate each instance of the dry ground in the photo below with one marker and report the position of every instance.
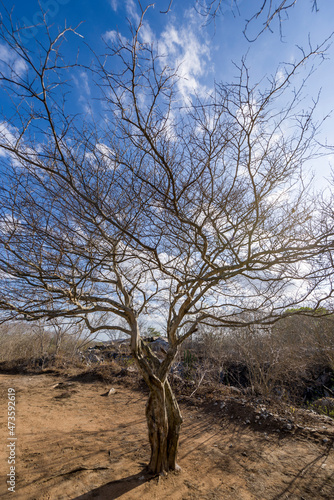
(75, 443)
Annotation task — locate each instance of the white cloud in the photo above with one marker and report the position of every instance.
(84, 82)
(181, 46)
(11, 63)
(186, 48)
(247, 112)
(114, 5)
(105, 150)
(131, 10)
(86, 106)
(107, 155)
(280, 76)
(110, 36)
(4, 54)
(146, 34)
(8, 136)
(113, 36)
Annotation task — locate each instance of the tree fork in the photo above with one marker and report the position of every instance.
(162, 410)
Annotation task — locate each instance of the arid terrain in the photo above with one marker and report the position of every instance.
(74, 442)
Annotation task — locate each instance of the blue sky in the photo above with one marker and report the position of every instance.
(206, 52)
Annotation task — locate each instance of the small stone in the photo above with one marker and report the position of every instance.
(111, 391)
(325, 440)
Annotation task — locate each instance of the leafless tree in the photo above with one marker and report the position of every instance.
(194, 211)
(62, 330)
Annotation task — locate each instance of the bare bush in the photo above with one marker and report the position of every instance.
(276, 361)
(38, 342)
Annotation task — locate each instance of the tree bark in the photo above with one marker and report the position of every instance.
(174, 427)
(164, 423)
(162, 411)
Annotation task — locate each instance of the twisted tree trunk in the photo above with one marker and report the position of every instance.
(162, 410)
(164, 423)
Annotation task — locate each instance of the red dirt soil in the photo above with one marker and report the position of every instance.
(75, 443)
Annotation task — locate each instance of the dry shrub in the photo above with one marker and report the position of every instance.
(36, 343)
(18, 342)
(278, 361)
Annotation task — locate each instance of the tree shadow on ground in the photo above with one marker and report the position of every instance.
(305, 480)
(115, 489)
